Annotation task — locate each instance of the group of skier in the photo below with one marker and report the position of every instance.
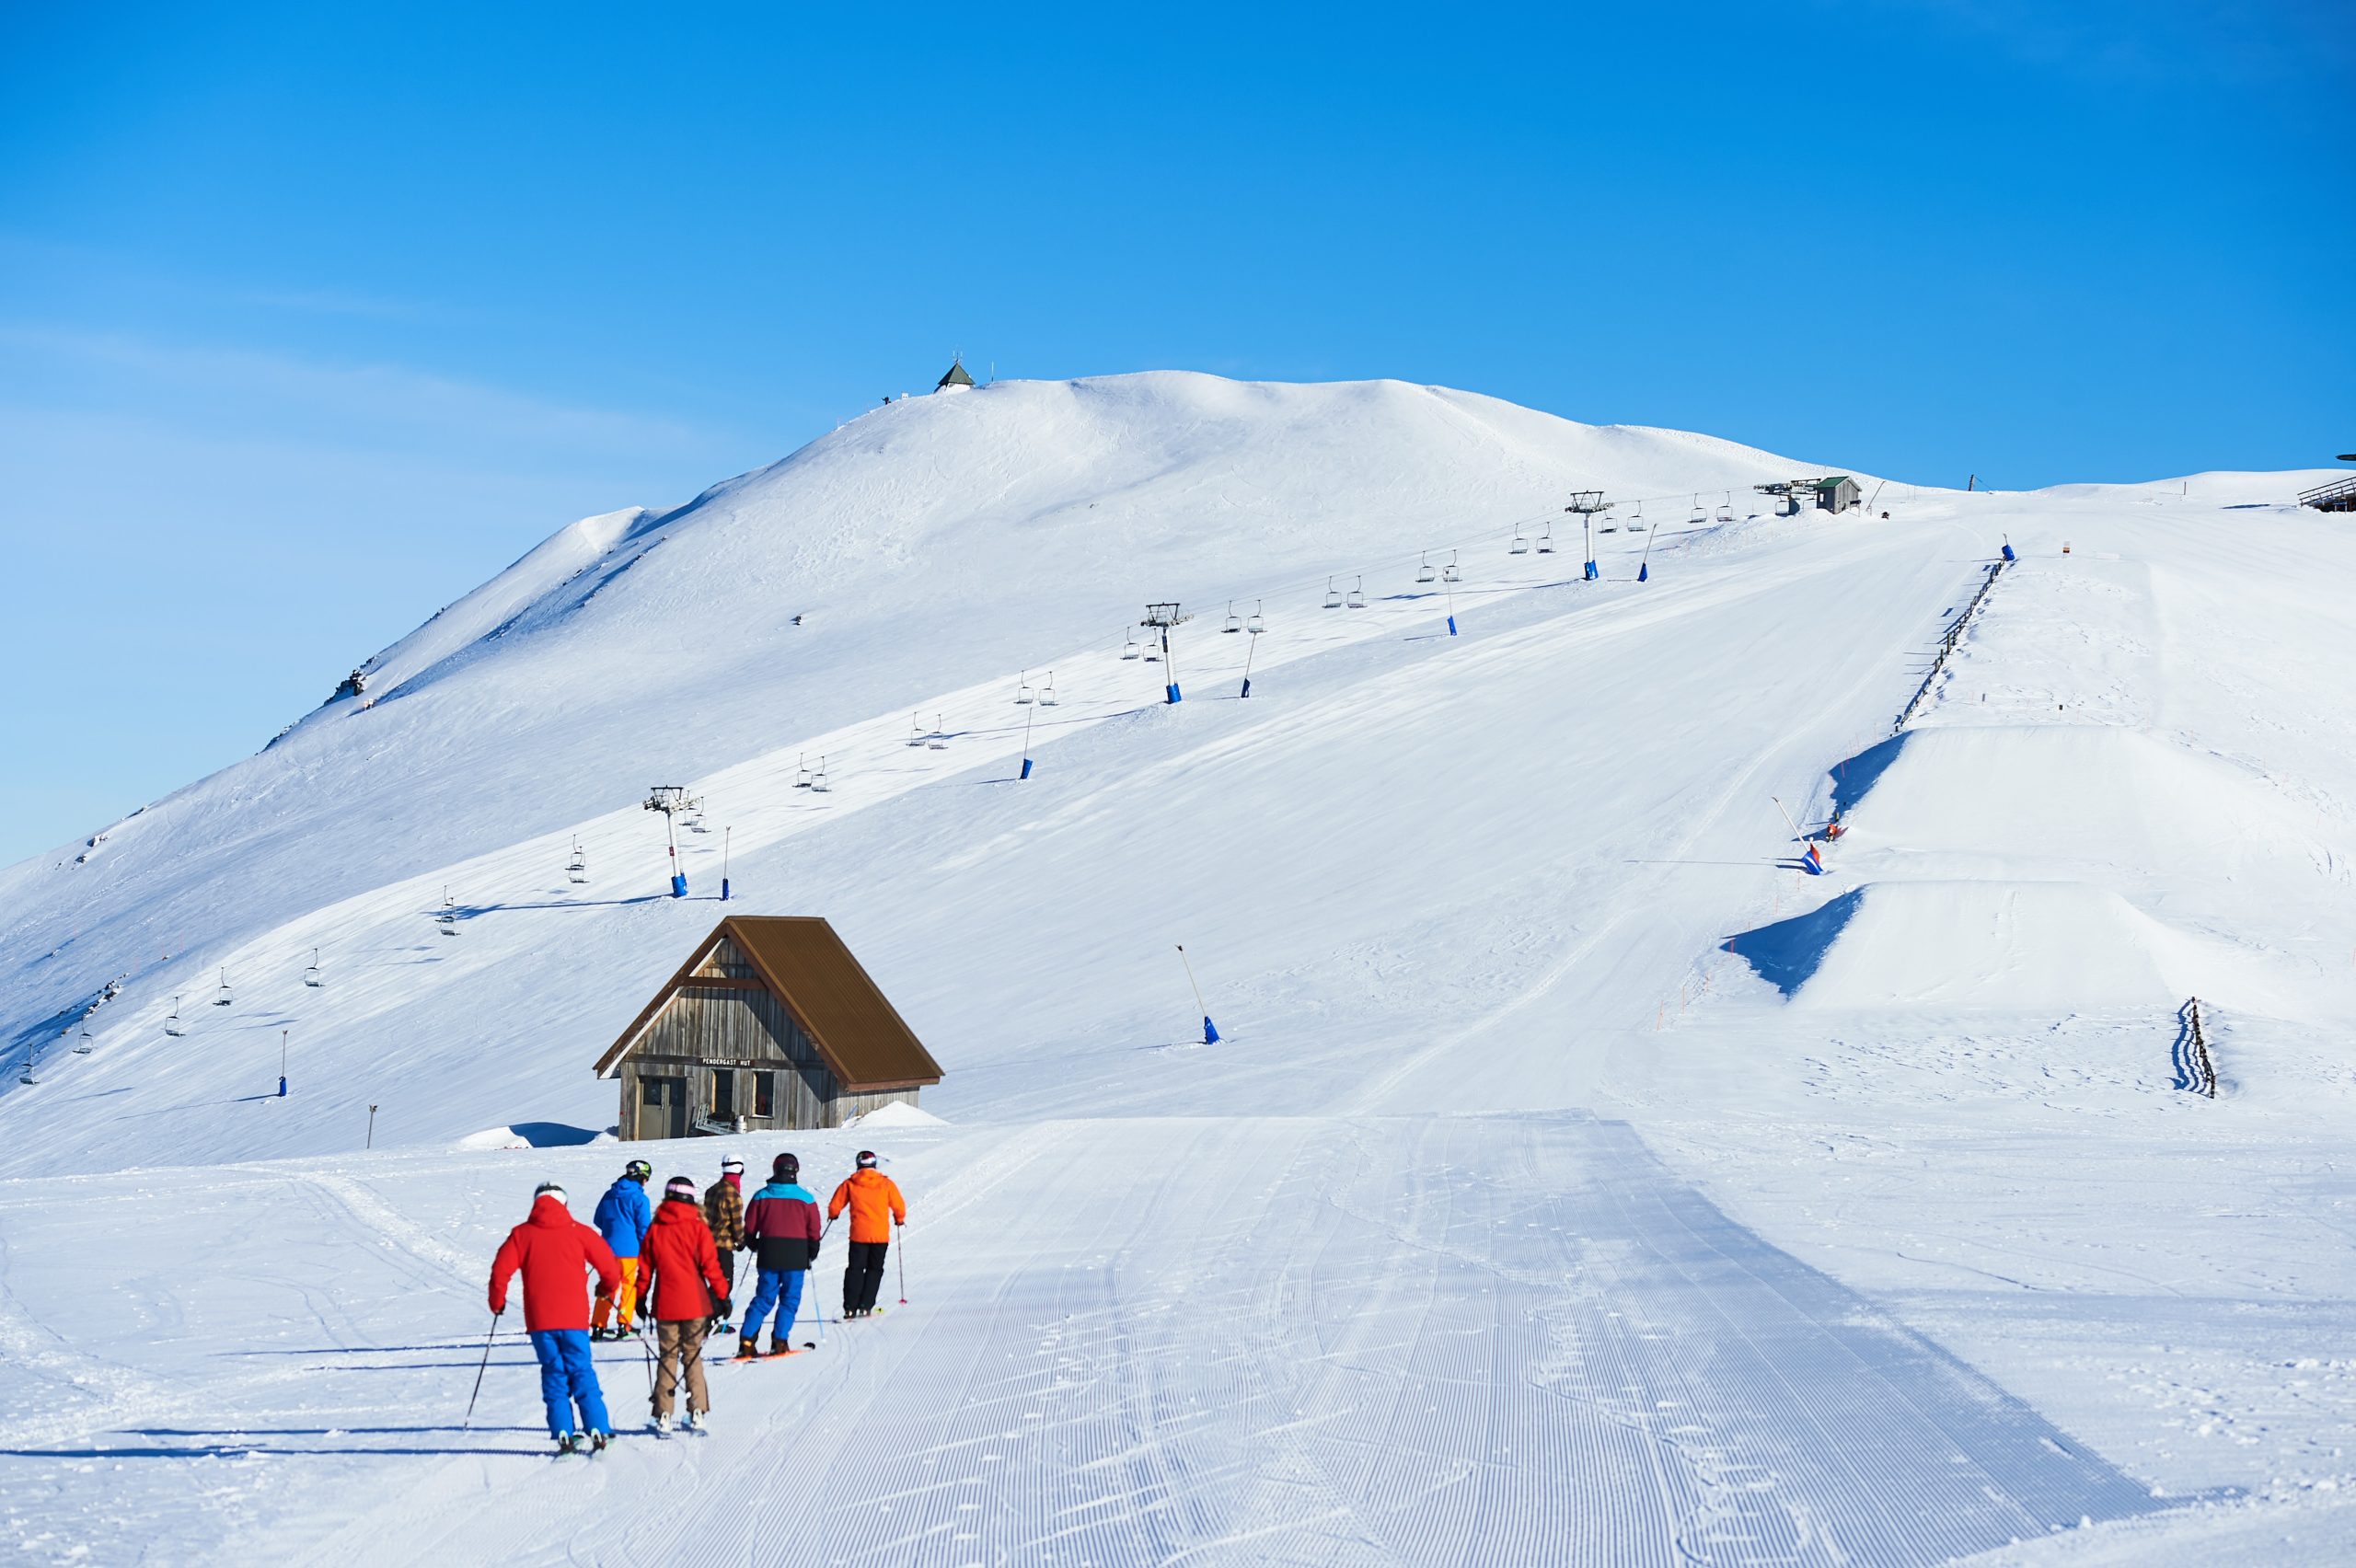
(674, 1265)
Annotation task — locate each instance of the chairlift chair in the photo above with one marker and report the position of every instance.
(915, 736)
(1448, 572)
(577, 868)
(1023, 692)
(800, 772)
(1256, 625)
(1152, 652)
(1726, 508)
(1047, 697)
(818, 784)
(1358, 594)
(83, 1048)
(1699, 516)
(1234, 622)
(311, 976)
(1129, 649)
(226, 995)
(172, 1025)
(938, 739)
(1424, 572)
(1332, 596)
(1520, 544)
(1546, 538)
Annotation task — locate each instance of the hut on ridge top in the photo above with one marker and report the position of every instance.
(770, 1023)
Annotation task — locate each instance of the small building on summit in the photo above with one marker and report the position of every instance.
(956, 380)
(1835, 494)
(771, 1023)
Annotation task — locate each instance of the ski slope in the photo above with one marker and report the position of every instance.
(1577, 1180)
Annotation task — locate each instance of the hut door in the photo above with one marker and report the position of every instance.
(661, 1107)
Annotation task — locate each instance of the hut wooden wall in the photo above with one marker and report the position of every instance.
(739, 1029)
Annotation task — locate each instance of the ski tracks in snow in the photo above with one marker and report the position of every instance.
(1455, 1339)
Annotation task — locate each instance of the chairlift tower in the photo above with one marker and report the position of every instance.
(673, 800)
(1587, 503)
(1158, 620)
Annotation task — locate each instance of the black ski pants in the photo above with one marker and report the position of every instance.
(865, 1275)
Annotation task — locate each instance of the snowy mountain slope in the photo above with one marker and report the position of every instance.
(1371, 1280)
(929, 544)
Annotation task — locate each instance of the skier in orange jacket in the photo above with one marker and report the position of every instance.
(875, 1206)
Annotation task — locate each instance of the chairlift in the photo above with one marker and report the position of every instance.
(1047, 697)
(915, 736)
(1546, 538)
(226, 995)
(800, 772)
(172, 1025)
(28, 1076)
(1332, 596)
(1520, 544)
(83, 1049)
(1152, 652)
(938, 739)
(1234, 622)
(1424, 572)
(1448, 572)
(1256, 625)
(818, 784)
(697, 824)
(311, 976)
(1129, 649)
(1699, 515)
(1358, 594)
(1726, 508)
(1023, 692)
(576, 870)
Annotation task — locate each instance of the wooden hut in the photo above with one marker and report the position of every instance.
(1835, 494)
(770, 1023)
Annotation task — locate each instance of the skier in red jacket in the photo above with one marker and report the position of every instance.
(554, 1252)
(682, 1283)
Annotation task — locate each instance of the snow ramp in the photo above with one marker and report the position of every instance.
(2027, 946)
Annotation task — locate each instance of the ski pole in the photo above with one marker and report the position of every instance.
(902, 1252)
(467, 1424)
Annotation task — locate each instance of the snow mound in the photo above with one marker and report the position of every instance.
(898, 1115)
(532, 1134)
(2024, 946)
(2086, 793)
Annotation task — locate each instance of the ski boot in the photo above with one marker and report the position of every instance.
(696, 1421)
(598, 1441)
(567, 1446)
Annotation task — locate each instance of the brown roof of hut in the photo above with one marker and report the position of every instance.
(805, 965)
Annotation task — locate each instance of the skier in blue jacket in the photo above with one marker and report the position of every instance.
(623, 1216)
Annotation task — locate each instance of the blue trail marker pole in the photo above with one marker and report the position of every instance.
(281, 1064)
(1210, 1031)
(1027, 719)
(725, 835)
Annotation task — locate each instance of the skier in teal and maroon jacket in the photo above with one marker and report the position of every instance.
(782, 1227)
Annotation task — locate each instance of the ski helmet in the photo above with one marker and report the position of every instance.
(866, 1159)
(638, 1170)
(786, 1167)
(552, 1187)
(680, 1187)
(731, 1163)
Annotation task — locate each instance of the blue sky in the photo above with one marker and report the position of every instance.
(309, 320)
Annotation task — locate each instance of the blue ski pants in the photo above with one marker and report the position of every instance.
(776, 1284)
(567, 1377)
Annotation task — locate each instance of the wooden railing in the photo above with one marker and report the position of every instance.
(2194, 1070)
(1948, 640)
(2339, 495)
